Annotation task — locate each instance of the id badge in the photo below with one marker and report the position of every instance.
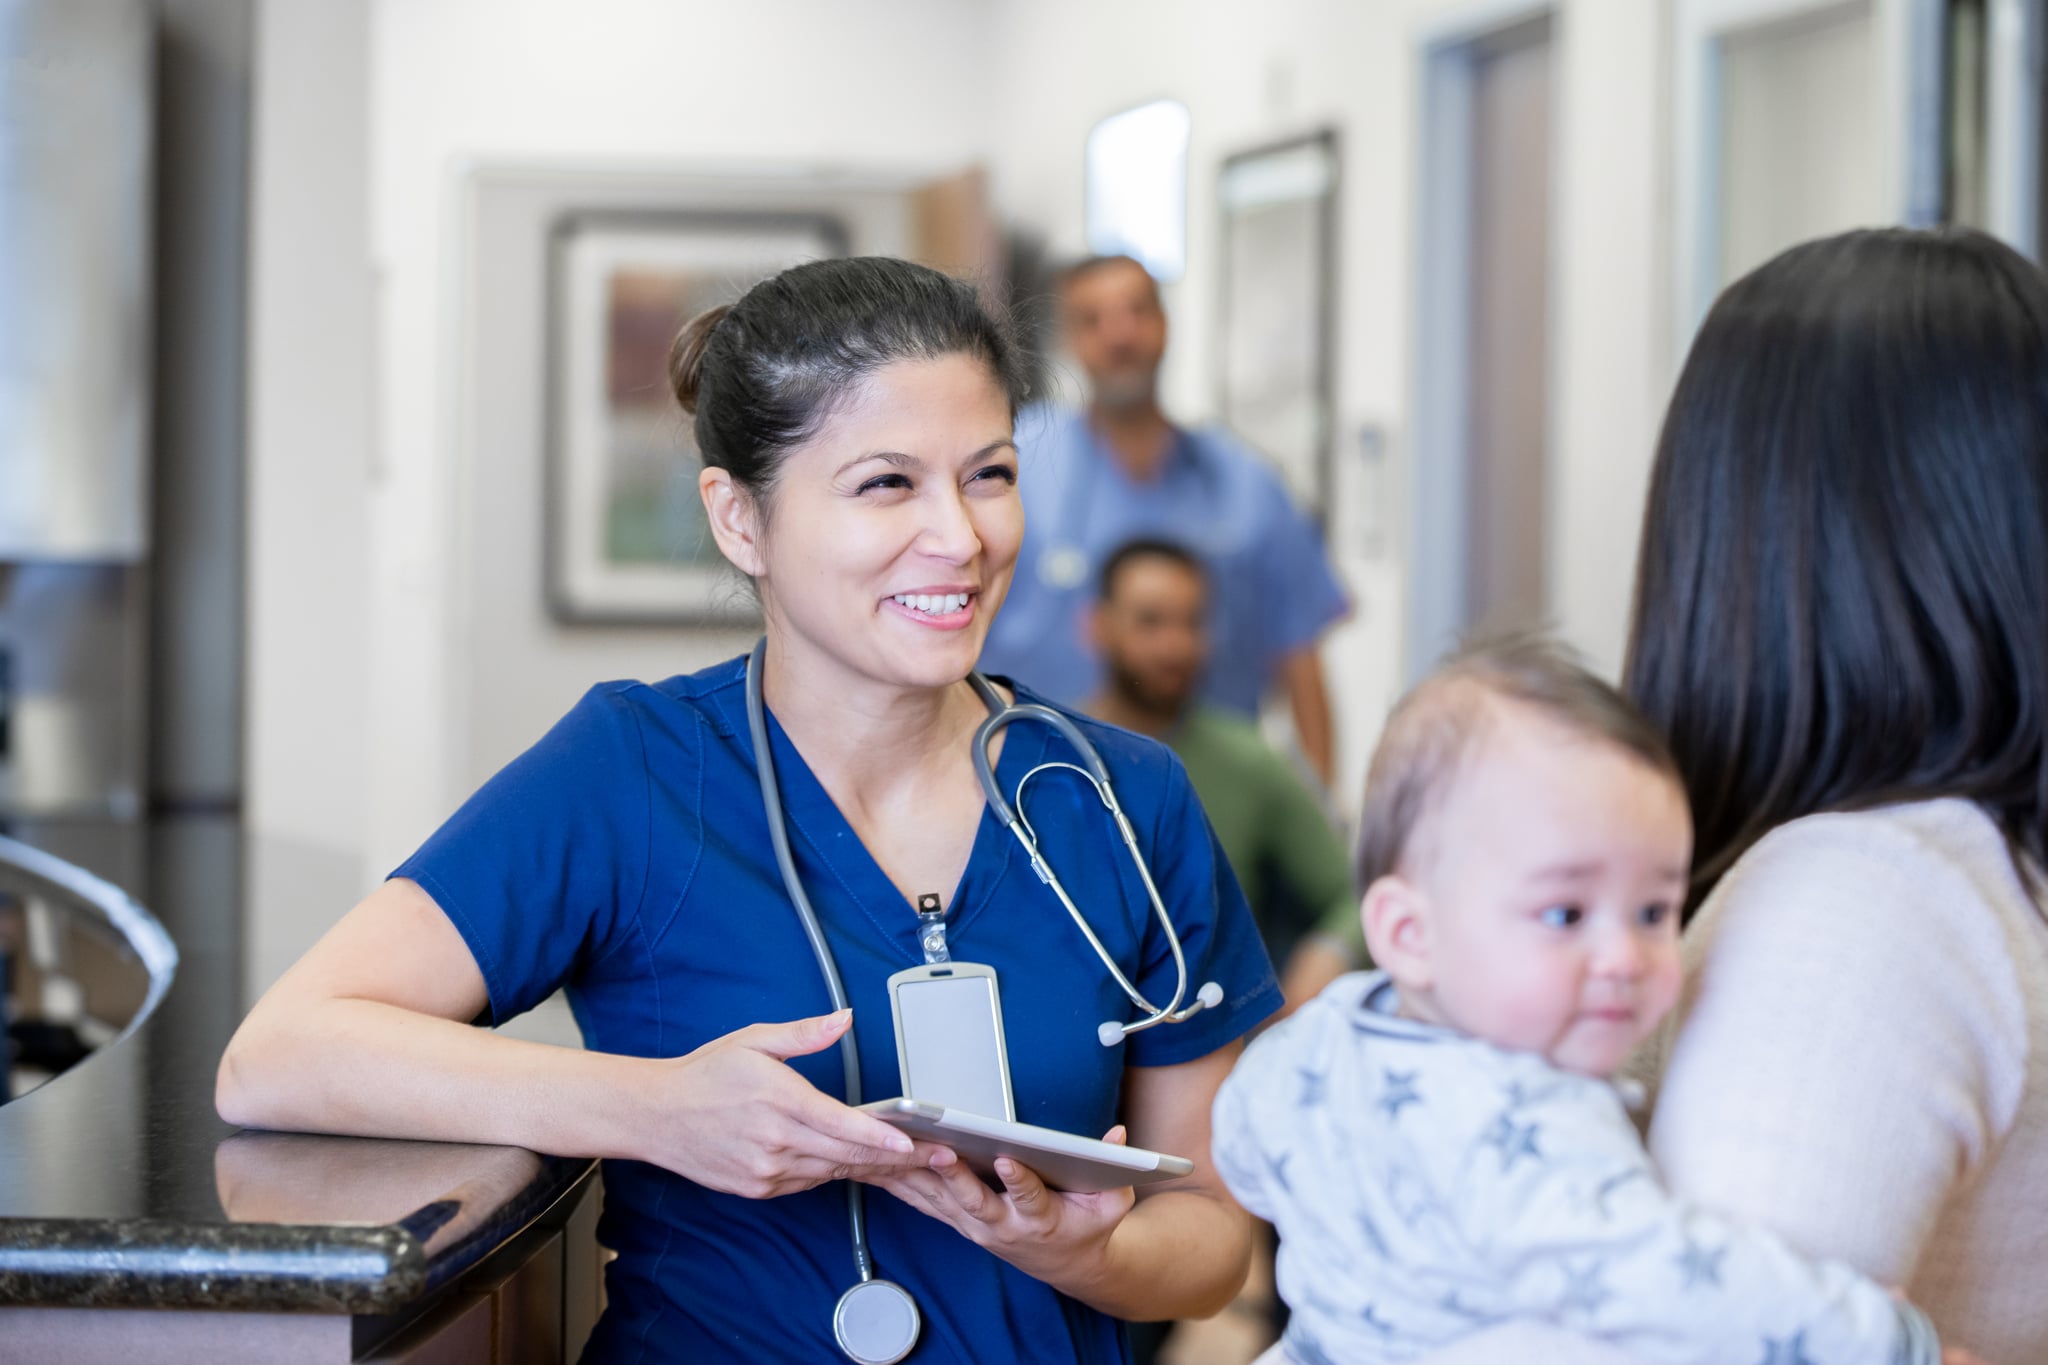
(949, 1038)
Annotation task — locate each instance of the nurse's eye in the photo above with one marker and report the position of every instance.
(884, 481)
(1560, 916)
(995, 473)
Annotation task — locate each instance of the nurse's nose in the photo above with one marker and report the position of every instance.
(948, 532)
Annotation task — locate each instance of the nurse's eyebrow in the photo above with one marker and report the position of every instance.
(895, 457)
(904, 461)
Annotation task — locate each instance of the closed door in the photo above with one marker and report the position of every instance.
(1507, 469)
(1798, 134)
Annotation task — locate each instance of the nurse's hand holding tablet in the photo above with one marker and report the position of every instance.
(715, 890)
(745, 1123)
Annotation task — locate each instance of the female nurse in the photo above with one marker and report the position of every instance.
(855, 422)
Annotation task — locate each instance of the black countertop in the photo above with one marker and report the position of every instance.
(120, 1187)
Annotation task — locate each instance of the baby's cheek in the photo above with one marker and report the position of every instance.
(1533, 1013)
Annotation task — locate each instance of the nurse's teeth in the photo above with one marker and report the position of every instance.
(941, 604)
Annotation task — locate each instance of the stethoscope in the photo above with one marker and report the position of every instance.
(876, 1322)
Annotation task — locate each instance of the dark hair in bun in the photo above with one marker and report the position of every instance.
(761, 375)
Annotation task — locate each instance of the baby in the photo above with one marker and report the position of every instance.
(1438, 1141)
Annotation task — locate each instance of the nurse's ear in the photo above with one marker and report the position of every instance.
(735, 521)
(1398, 934)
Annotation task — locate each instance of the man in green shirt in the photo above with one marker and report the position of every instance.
(1150, 626)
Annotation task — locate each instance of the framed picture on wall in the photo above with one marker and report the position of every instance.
(627, 538)
(1279, 255)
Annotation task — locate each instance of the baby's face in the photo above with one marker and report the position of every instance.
(1552, 877)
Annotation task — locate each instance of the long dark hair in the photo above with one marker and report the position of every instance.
(759, 375)
(1842, 590)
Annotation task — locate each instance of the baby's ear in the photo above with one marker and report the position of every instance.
(1397, 930)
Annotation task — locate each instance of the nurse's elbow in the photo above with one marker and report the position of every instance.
(1230, 1244)
(249, 1085)
(231, 1089)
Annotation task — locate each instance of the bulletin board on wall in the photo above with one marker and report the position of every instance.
(1278, 248)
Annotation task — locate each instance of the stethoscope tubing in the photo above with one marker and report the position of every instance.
(778, 836)
(1002, 713)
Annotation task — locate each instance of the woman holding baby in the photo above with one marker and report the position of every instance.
(1841, 625)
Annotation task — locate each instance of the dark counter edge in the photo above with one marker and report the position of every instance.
(260, 1267)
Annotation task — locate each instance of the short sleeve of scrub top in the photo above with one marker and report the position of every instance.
(626, 857)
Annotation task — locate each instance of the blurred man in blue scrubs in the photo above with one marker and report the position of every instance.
(1120, 469)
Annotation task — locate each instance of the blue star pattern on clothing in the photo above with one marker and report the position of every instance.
(1304, 1349)
(1791, 1351)
(1410, 1195)
(1400, 1090)
(1585, 1287)
(1458, 1308)
(1279, 1165)
(1373, 1237)
(1515, 1141)
(1313, 1088)
(1369, 1315)
(1700, 1266)
(1613, 1183)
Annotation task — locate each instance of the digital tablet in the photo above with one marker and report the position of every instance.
(1078, 1165)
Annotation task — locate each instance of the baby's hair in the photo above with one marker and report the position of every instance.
(1433, 727)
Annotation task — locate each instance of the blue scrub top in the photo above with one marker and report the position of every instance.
(626, 856)
(1271, 589)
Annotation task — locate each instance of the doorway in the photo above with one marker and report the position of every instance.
(1481, 474)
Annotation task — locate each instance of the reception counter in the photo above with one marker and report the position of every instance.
(135, 1225)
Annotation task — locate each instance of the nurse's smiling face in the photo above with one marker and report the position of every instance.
(891, 534)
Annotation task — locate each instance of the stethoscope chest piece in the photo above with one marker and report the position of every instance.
(876, 1322)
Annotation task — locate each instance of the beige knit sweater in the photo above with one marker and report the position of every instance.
(1861, 1064)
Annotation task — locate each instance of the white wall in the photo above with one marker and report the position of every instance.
(310, 400)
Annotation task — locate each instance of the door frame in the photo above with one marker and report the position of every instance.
(1448, 50)
(2012, 131)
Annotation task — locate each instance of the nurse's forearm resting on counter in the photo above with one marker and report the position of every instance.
(385, 999)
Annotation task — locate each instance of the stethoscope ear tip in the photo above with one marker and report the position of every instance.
(1111, 1033)
(1211, 995)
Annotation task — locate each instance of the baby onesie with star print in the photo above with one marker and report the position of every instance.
(1427, 1185)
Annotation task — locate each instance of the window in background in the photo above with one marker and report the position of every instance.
(1137, 189)
(1279, 255)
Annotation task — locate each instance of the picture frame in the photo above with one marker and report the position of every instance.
(1277, 357)
(627, 540)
